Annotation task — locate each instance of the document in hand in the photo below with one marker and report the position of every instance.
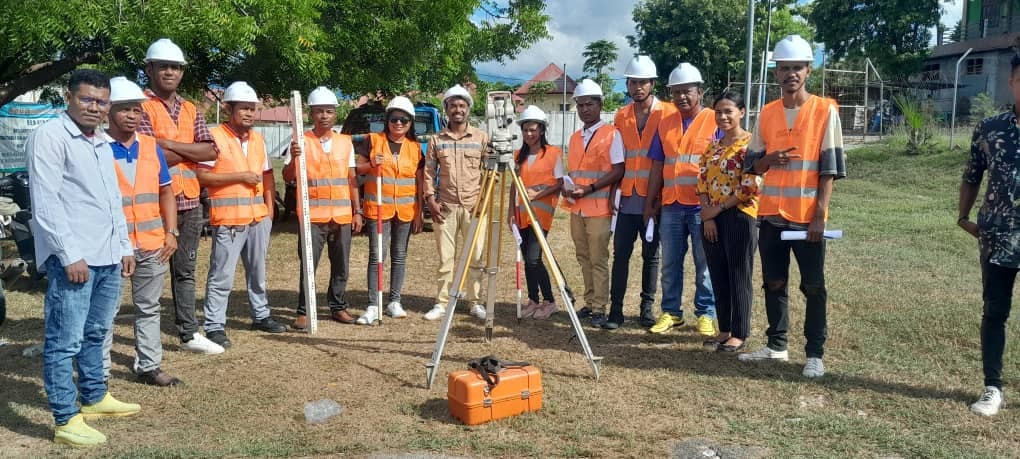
(802, 235)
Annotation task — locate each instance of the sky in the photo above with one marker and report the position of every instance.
(575, 23)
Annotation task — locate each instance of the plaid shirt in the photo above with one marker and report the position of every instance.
(202, 134)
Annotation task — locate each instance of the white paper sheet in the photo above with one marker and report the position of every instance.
(650, 230)
(616, 206)
(517, 234)
(802, 235)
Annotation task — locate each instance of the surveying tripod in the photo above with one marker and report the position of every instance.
(498, 178)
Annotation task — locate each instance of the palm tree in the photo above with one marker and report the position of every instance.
(599, 56)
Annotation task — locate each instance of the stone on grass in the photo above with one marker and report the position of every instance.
(700, 448)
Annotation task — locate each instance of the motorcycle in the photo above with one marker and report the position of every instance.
(15, 218)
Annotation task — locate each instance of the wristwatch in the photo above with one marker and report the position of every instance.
(173, 232)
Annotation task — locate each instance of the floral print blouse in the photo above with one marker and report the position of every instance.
(722, 175)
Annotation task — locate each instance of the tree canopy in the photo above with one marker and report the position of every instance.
(712, 36)
(276, 45)
(599, 56)
(894, 34)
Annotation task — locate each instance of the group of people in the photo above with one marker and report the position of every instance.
(123, 203)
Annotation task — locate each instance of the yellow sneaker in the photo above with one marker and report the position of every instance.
(706, 326)
(665, 323)
(78, 434)
(109, 407)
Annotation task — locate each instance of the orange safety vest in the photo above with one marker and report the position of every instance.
(183, 174)
(539, 175)
(398, 180)
(238, 203)
(635, 146)
(329, 192)
(683, 151)
(587, 166)
(791, 191)
(140, 200)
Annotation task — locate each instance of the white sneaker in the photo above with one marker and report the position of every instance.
(478, 311)
(814, 368)
(199, 344)
(989, 403)
(395, 311)
(437, 312)
(369, 317)
(765, 353)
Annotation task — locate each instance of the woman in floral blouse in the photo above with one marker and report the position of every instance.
(729, 207)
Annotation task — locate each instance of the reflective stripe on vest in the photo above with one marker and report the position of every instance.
(183, 174)
(636, 145)
(237, 203)
(539, 175)
(588, 165)
(398, 180)
(791, 191)
(682, 151)
(329, 192)
(140, 200)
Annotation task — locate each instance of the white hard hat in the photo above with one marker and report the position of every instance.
(685, 73)
(322, 96)
(532, 113)
(587, 87)
(165, 50)
(641, 67)
(239, 91)
(123, 90)
(793, 48)
(401, 103)
(458, 91)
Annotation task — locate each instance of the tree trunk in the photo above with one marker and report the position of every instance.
(40, 74)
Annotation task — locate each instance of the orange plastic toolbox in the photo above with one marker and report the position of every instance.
(474, 401)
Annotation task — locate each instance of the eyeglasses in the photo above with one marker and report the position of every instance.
(87, 101)
(400, 120)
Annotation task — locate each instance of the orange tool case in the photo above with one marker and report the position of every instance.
(493, 390)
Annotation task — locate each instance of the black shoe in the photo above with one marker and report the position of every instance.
(730, 349)
(584, 313)
(647, 318)
(598, 320)
(268, 325)
(610, 325)
(219, 337)
(159, 378)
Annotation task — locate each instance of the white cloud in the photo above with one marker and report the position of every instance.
(952, 11)
(572, 25)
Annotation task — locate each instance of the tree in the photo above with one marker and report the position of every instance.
(894, 34)
(710, 35)
(276, 45)
(599, 56)
(540, 89)
(956, 35)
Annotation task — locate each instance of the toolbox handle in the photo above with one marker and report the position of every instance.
(490, 366)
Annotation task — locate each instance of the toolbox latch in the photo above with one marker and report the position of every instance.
(487, 403)
(525, 394)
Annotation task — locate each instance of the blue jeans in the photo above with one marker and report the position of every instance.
(676, 228)
(77, 316)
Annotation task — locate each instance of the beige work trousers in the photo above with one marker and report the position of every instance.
(591, 242)
(451, 240)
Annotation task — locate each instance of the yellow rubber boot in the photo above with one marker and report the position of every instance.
(78, 434)
(109, 407)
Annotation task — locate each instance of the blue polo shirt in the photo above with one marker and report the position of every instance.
(127, 160)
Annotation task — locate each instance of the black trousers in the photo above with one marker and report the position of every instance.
(997, 292)
(182, 271)
(731, 265)
(628, 228)
(337, 239)
(535, 274)
(775, 264)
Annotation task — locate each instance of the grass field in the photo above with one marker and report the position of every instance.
(903, 360)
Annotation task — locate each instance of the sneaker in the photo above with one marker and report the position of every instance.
(109, 407)
(369, 317)
(78, 434)
(547, 309)
(478, 311)
(219, 338)
(989, 403)
(706, 326)
(598, 320)
(436, 312)
(666, 322)
(159, 378)
(268, 325)
(814, 368)
(529, 310)
(647, 319)
(610, 325)
(765, 353)
(584, 313)
(201, 345)
(395, 311)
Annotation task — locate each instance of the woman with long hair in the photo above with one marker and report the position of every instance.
(541, 168)
(729, 208)
(394, 158)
